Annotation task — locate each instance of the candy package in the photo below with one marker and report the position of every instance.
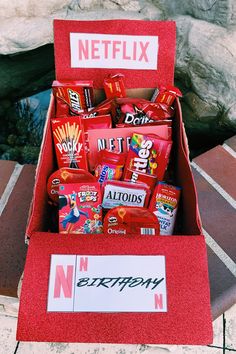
(69, 142)
(72, 97)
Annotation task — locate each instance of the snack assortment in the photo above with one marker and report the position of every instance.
(112, 160)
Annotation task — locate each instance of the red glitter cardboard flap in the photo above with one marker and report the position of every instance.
(186, 320)
(144, 51)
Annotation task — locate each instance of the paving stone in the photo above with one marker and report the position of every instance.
(231, 142)
(12, 229)
(218, 216)
(222, 285)
(8, 341)
(221, 166)
(230, 333)
(6, 169)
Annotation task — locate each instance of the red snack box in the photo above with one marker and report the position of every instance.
(116, 193)
(69, 142)
(72, 96)
(148, 155)
(80, 210)
(114, 86)
(127, 220)
(66, 175)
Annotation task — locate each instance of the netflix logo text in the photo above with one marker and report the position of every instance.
(91, 50)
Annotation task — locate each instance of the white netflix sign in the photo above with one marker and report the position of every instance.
(83, 283)
(91, 50)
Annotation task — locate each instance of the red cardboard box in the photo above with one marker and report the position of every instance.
(187, 316)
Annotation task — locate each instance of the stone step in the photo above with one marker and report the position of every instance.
(16, 187)
(215, 176)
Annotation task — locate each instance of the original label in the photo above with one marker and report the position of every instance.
(91, 50)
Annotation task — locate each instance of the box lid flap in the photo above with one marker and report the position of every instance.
(188, 316)
(144, 51)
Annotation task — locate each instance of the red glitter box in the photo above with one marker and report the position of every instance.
(144, 52)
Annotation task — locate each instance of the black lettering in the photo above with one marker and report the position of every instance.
(82, 282)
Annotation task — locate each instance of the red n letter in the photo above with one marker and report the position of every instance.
(83, 264)
(158, 301)
(62, 281)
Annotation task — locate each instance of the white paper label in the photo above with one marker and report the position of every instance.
(108, 284)
(92, 50)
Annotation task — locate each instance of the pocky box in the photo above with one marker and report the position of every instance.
(148, 155)
(80, 209)
(127, 220)
(116, 193)
(72, 97)
(164, 204)
(69, 142)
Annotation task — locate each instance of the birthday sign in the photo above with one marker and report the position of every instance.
(84, 283)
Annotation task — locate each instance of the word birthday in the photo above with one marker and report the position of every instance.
(85, 283)
(120, 282)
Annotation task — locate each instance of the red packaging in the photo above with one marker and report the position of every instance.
(114, 86)
(80, 210)
(116, 193)
(109, 166)
(148, 155)
(66, 175)
(130, 221)
(69, 142)
(72, 97)
(164, 205)
(97, 122)
(166, 95)
(136, 111)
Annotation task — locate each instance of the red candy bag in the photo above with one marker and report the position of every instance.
(114, 86)
(72, 97)
(124, 220)
(166, 95)
(135, 111)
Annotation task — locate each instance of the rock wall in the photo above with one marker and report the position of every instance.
(205, 58)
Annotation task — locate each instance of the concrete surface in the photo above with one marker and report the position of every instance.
(224, 338)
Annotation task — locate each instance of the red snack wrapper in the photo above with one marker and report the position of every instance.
(164, 205)
(66, 175)
(134, 111)
(102, 108)
(126, 220)
(116, 193)
(148, 155)
(166, 95)
(109, 166)
(72, 97)
(98, 122)
(69, 142)
(114, 86)
(80, 210)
